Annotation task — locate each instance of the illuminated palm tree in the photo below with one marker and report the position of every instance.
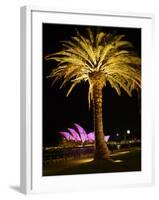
(97, 58)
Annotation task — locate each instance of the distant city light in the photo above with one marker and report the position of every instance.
(128, 132)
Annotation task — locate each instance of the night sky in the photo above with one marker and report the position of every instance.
(60, 112)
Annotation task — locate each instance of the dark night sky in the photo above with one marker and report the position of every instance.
(60, 112)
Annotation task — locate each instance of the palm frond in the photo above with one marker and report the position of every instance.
(90, 34)
(99, 37)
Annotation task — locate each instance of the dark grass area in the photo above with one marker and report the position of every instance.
(131, 161)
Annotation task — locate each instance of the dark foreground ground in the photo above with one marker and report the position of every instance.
(124, 161)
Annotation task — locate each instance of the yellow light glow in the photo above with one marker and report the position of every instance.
(118, 161)
(85, 160)
(120, 153)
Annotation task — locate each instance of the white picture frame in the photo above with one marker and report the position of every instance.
(31, 102)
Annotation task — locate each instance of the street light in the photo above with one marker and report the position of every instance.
(117, 137)
(128, 132)
(125, 138)
(118, 145)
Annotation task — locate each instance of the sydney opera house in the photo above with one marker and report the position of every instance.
(78, 134)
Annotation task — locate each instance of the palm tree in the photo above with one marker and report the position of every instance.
(97, 58)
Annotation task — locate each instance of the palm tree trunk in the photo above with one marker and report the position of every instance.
(102, 151)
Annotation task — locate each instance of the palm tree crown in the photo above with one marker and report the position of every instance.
(97, 57)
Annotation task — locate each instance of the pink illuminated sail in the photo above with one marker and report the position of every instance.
(106, 138)
(82, 132)
(91, 137)
(66, 135)
(75, 135)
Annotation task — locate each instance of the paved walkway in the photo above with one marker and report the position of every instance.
(124, 160)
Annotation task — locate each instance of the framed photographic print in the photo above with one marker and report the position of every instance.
(86, 107)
